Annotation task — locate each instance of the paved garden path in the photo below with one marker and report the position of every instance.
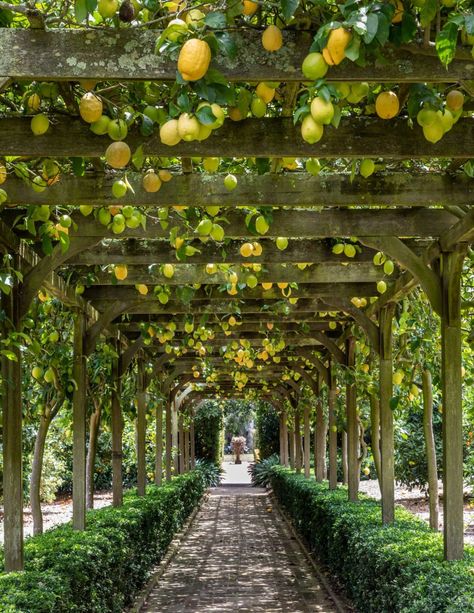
(238, 556)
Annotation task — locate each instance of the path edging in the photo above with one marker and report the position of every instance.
(141, 598)
(339, 603)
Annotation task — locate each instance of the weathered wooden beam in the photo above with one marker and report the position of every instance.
(302, 328)
(416, 222)
(188, 274)
(295, 189)
(129, 55)
(461, 232)
(249, 318)
(79, 424)
(141, 427)
(273, 137)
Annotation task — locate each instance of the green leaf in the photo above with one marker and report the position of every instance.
(78, 166)
(138, 158)
(469, 23)
(10, 355)
(47, 245)
(428, 12)
(383, 30)
(215, 20)
(288, 8)
(80, 10)
(226, 44)
(214, 76)
(302, 110)
(146, 127)
(446, 43)
(353, 50)
(409, 28)
(64, 241)
(372, 28)
(205, 115)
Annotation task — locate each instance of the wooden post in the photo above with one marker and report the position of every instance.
(285, 437)
(352, 427)
(280, 430)
(321, 431)
(345, 467)
(180, 442)
(192, 450)
(433, 492)
(174, 437)
(307, 440)
(291, 434)
(169, 440)
(451, 363)
(141, 428)
(159, 443)
(332, 429)
(387, 453)
(117, 428)
(186, 450)
(12, 443)
(79, 410)
(297, 441)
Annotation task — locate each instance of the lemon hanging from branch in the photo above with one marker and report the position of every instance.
(194, 59)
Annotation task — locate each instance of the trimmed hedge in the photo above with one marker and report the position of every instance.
(99, 570)
(392, 569)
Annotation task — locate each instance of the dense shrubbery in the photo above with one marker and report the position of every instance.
(261, 470)
(100, 569)
(208, 425)
(388, 569)
(267, 426)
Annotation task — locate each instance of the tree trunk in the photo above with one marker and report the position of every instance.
(36, 471)
(375, 432)
(430, 449)
(94, 427)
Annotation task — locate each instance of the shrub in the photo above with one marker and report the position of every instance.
(267, 426)
(100, 569)
(211, 473)
(385, 569)
(208, 424)
(261, 470)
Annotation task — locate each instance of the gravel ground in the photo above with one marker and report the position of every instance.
(414, 500)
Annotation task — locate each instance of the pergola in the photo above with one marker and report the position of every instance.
(420, 218)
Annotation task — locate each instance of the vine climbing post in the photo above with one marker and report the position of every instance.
(307, 439)
(141, 427)
(352, 425)
(192, 450)
(169, 441)
(117, 428)
(12, 441)
(174, 437)
(332, 429)
(181, 466)
(320, 437)
(297, 441)
(159, 442)
(79, 409)
(284, 422)
(387, 453)
(451, 364)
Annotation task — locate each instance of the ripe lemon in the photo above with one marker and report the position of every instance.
(39, 124)
(107, 8)
(169, 133)
(264, 92)
(399, 10)
(118, 154)
(230, 182)
(204, 132)
(151, 182)
(211, 269)
(3, 174)
(142, 289)
(261, 225)
(194, 59)
(434, 132)
(33, 103)
(251, 281)
(120, 272)
(211, 164)
(37, 372)
(335, 50)
(314, 66)
(257, 251)
(246, 250)
(387, 105)
(322, 111)
(311, 131)
(455, 100)
(272, 38)
(188, 127)
(249, 8)
(90, 107)
(165, 175)
(281, 243)
(235, 113)
(168, 271)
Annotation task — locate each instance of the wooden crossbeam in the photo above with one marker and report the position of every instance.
(129, 55)
(134, 328)
(272, 137)
(335, 223)
(213, 294)
(187, 274)
(295, 189)
(134, 320)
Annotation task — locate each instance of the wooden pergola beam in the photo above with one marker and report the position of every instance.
(272, 137)
(336, 223)
(133, 321)
(187, 274)
(295, 189)
(129, 55)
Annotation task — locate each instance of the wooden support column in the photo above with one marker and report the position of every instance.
(12, 443)
(332, 429)
(291, 435)
(451, 363)
(169, 439)
(298, 458)
(307, 440)
(345, 468)
(181, 468)
(174, 438)
(352, 427)
(117, 428)
(192, 449)
(387, 452)
(285, 437)
(159, 443)
(141, 428)
(186, 450)
(79, 410)
(321, 431)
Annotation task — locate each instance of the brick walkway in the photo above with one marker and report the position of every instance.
(238, 556)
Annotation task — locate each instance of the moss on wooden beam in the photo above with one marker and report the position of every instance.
(271, 137)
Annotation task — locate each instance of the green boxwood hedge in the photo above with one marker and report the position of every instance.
(392, 569)
(101, 569)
